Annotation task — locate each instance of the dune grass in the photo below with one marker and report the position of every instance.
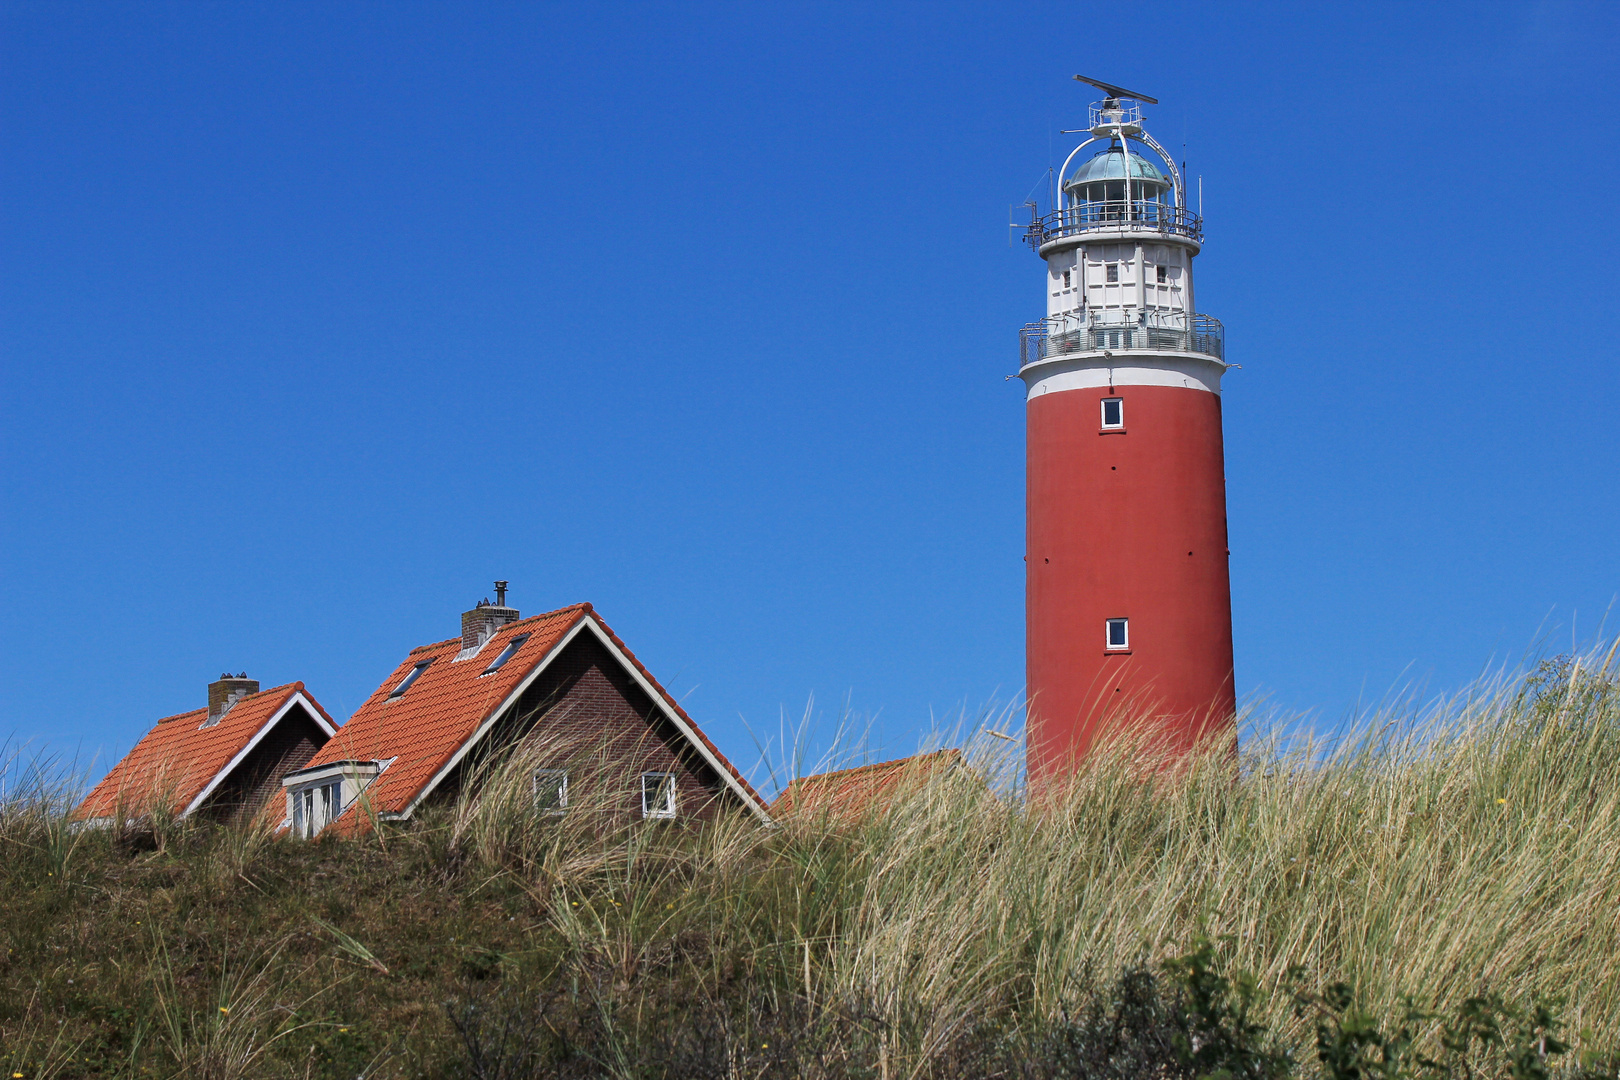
(1467, 847)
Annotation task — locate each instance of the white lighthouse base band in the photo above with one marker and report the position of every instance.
(1089, 372)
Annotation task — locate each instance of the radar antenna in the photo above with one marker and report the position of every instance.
(1116, 92)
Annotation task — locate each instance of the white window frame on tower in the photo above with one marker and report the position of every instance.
(1119, 419)
(1124, 643)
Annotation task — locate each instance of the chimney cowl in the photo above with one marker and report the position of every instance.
(480, 624)
(227, 692)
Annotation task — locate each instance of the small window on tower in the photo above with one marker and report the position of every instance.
(1065, 279)
(1113, 412)
(1119, 633)
(1164, 274)
(1113, 271)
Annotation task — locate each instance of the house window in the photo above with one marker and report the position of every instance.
(506, 654)
(551, 790)
(1119, 633)
(316, 807)
(1113, 272)
(1164, 275)
(658, 795)
(405, 683)
(1113, 412)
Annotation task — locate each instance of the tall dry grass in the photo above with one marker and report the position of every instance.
(1472, 844)
(1469, 845)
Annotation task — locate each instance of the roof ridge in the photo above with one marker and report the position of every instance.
(874, 765)
(293, 686)
(544, 615)
(434, 645)
(582, 606)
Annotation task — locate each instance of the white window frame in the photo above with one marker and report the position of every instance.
(665, 811)
(1102, 412)
(559, 775)
(315, 806)
(306, 796)
(1108, 634)
(1111, 274)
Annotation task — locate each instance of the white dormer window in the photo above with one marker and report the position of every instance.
(657, 795)
(1118, 634)
(315, 807)
(318, 795)
(1113, 412)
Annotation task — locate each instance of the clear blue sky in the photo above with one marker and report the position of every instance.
(316, 318)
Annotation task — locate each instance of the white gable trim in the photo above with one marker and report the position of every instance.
(674, 717)
(588, 619)
(489, 721)
(297, 698)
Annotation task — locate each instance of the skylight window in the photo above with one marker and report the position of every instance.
(405, 683)
(506, 654)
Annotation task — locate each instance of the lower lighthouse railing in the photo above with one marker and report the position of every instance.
(1064, 335)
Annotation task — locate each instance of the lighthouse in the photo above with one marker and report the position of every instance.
(1128, 598)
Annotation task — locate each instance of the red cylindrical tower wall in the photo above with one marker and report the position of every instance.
(1125, 523)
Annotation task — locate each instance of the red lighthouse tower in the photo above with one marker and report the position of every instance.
(1129, 605)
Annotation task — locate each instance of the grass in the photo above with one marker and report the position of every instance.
(1467, 850)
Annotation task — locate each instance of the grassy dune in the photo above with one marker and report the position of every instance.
(1472, 845)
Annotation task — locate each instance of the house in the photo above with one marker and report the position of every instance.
(559, 687)
(850, 794)
(225, 761)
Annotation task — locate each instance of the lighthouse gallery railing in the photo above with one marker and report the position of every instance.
(1202, 334)
(1135, 216)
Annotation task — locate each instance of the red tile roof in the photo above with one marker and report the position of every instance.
(448, 704)
(178, 759)
(850, 792)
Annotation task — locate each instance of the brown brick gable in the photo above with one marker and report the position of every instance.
(586, 714)
(256, 781)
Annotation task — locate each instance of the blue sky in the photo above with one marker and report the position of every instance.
(317, 318)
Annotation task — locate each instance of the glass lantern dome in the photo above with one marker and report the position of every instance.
(1102, 179)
